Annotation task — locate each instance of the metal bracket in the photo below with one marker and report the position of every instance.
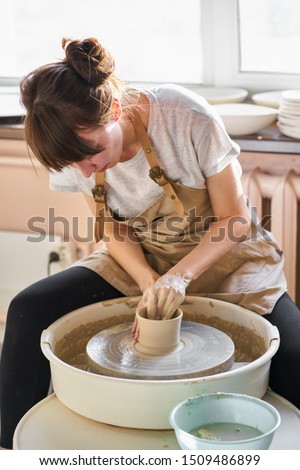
(98, 191)
(156, 173)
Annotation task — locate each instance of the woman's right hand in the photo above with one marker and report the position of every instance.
(145, 286)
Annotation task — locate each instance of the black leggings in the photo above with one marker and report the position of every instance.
(25, 372)
(285, 365)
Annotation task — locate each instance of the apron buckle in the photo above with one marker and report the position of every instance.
(157, 173)
(99, 193)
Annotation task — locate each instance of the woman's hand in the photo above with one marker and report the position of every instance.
(163, 298)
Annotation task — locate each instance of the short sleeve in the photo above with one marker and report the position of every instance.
(216, 149)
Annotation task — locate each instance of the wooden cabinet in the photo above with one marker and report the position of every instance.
(28, 205)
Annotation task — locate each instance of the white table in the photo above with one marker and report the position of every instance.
(49, 425)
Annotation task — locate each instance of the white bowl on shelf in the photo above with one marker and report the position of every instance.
(218, 95)
(268, 98)
(244, 118)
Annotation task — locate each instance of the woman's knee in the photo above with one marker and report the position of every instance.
(49, 299)
(24, 312)
(38, 302)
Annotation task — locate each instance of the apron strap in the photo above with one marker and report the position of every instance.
(156, 173)
(99, 194)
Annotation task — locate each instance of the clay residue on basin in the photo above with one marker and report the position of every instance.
(249, 345)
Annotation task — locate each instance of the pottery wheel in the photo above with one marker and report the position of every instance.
(203, 350)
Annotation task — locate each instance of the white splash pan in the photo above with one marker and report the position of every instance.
(147, 404)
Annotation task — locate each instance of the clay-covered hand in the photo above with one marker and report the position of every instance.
(163, 298)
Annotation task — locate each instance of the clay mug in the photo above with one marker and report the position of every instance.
(157, 337)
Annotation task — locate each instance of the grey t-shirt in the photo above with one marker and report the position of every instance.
(189, 140)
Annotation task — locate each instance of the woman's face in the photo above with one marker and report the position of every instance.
(110, 139)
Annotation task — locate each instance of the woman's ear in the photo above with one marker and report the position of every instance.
(116, 109)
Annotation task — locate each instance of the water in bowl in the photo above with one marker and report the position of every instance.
(226, 432)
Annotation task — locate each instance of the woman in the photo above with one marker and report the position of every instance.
(184, 226)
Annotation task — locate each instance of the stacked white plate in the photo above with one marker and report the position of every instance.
(289, 113)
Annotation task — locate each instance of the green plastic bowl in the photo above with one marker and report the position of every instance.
(224, 421)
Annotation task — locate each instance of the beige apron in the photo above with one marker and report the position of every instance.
(250, 274)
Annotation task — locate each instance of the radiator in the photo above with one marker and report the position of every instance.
(276, 196)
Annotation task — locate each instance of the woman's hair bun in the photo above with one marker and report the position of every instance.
(89, 59)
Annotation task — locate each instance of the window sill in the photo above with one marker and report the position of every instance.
(12, 131)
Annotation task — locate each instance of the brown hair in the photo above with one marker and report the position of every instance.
(62, 97)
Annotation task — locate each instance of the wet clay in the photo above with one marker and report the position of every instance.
(249, 345)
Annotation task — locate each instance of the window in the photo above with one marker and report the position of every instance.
(151, 40)
(269, 36)
(254, 44)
